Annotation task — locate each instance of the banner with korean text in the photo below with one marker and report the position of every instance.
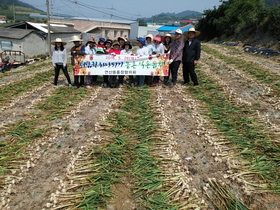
(155, 65)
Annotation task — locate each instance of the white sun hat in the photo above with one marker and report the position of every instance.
(191, 30)
(58, 40)
(76, 39)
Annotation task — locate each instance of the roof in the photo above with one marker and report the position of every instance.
(167, 28)
(92, 19)
(186, 21)
(43, 27)
(106, 20)
(15, 33)
(184, 28)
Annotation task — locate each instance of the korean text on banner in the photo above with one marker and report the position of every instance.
(155, 65)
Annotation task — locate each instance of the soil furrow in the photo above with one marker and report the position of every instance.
(14, 77)
(50, 155)
(238, 53)
(244, 90)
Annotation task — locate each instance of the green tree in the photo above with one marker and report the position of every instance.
(230, 17)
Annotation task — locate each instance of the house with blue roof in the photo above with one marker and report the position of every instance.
(166, 29)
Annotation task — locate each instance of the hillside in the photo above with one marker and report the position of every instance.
(19, 3)
(165, 17)
(22, 10)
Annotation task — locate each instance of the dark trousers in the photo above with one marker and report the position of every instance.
(156, 79)
(56, 73)
(77, 78)
(121, 79)
(173, 70)
(140, 80)
(188, 71)
(90, 80)
(148, 80)
(131, 79)
(106, 79)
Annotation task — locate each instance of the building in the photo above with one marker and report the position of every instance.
(63, 31)
(143, 31)
(28, 41)
(107, 28)
(3, 19)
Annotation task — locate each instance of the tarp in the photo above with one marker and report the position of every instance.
(122, 65)
(167, 28)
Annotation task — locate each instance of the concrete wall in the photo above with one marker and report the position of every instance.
(109, 30)
(31, 45)
(145, 30)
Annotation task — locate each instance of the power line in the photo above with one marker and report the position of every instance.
(98, 10)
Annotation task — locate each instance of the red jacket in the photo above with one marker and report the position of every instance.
(117, 52)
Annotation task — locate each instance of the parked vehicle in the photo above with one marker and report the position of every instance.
(10, 58)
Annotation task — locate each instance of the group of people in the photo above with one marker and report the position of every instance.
(185, 52)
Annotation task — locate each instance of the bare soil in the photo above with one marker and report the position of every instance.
(46, 168)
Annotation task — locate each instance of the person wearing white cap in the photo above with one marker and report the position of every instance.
(77, 50)
(59, 60)
(191, 55)
(175, 57)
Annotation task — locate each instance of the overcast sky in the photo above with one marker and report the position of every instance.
(126, 9)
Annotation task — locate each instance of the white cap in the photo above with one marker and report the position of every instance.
(179, 31)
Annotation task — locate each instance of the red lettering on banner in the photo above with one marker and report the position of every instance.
(110, 57)
(129, 58)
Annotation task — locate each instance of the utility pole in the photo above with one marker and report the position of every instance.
(14, 13)
(49, 28)
(75, 8)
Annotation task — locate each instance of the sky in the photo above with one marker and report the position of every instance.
(125, 9)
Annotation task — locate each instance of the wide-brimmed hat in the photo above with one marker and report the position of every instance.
(116, 43)
(108, 41)
(128, 43)
(58, 40)
(90, 41)
(166, 35)
(150, 36)
(122, 38)
(186, 33)
(76, 39)
(157, 38)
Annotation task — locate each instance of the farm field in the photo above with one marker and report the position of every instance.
(212, 146)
